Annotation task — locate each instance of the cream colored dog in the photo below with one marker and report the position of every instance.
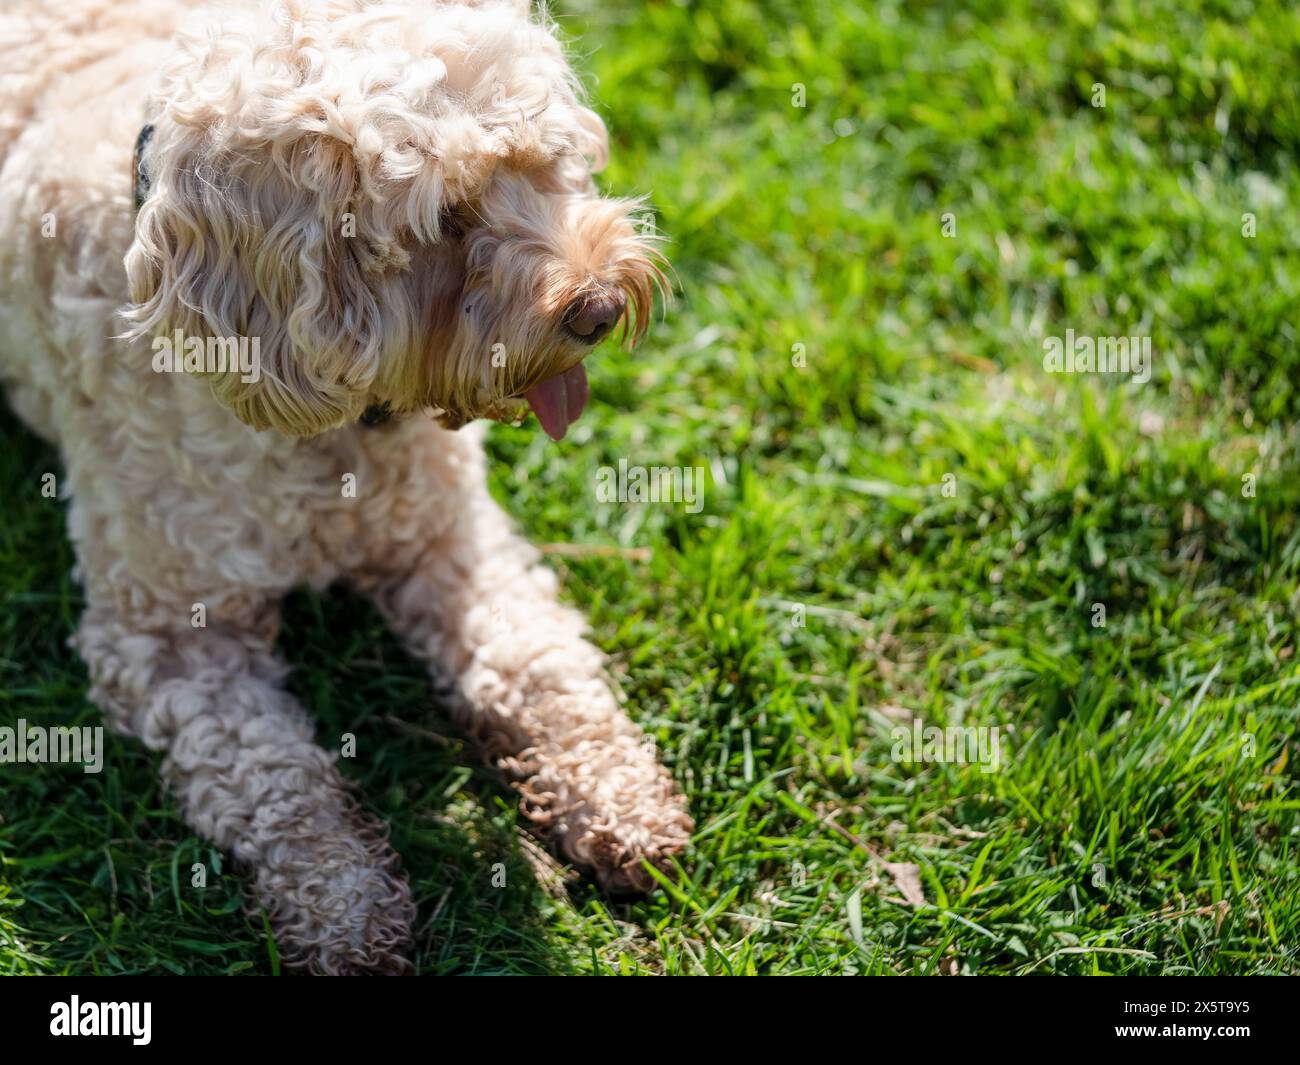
(340, 213)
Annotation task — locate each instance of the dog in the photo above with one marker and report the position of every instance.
(263, 265)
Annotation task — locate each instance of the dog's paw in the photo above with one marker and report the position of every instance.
(617, 856)
(337, 901)
(609, 809)
(345, 921)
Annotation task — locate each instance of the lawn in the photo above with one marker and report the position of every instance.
(876, 214)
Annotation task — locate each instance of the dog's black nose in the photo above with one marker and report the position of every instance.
(590, 318)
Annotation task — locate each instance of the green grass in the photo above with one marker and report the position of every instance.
(1148, 818)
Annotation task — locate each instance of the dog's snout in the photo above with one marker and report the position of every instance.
(590, 318)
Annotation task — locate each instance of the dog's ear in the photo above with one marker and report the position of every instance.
(241, 245)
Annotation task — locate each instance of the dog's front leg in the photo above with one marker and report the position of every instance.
(242, 764)
(478, 605)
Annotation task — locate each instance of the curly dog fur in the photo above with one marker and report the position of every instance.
(394, 197)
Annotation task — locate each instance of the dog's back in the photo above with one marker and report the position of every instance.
(75, 74)
(45, 49)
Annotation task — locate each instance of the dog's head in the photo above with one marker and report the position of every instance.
(394, 198)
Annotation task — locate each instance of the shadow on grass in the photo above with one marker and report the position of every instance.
(97, 871)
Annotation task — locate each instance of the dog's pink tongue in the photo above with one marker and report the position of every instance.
(558, 402)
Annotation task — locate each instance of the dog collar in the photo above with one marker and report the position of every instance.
(142, 182)
(375, 414)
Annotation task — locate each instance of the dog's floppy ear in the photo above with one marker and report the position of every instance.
(255, 244)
